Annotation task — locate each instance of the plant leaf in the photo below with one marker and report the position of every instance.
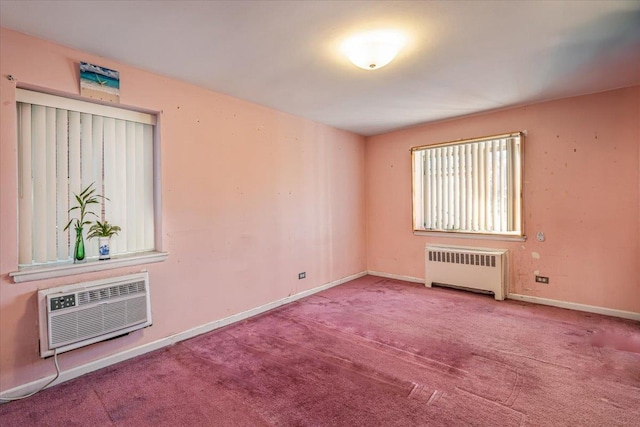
(68, 224)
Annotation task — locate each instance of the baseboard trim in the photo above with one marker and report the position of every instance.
(396, 276)
(575, 306)
(535, 300)
(72, 373)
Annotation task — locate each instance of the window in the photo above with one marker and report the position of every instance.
(64, 145)
(470, 186)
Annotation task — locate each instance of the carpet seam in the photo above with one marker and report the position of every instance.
(226, 391)
(331, 362)
(298, 320)
(488, 400)
(102, 403)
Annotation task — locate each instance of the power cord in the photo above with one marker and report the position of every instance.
(55, 361)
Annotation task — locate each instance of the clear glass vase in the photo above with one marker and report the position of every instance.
(78, 251)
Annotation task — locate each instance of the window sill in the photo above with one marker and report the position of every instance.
(502, 237)
(40, 273)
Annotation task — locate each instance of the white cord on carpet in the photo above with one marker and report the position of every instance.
(55, 361)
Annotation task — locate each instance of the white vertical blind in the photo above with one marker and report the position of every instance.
(469, 196)
(119, 198)
(463, 187)
(138, 216)
(130, 184)
(147, 190)
(61, 152)
(62, 190)
(470, 186)
(39, 168)
(456, 187)
(75, 160)
(25, 202)
(439, 189)
(482, 188)
(423, 166)
(109, 160)
(86, 167)
(86, 150)
(97, 132)
(432, 188)
(50, 183)
(475, 225)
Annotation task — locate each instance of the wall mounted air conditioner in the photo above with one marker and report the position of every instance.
(76, 315)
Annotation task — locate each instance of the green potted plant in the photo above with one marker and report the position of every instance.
(103, 231)
(84, 199)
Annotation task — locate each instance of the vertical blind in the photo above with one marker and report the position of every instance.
(469, 186)
(65, 145)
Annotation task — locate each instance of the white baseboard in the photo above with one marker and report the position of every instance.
(575, 306)
(536, 300)
(396, 276)
(72, 373)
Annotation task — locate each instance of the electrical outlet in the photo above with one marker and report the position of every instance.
(302, 275)
(542, 279)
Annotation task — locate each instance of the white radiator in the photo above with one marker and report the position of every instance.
(478, 269)
(76, 315)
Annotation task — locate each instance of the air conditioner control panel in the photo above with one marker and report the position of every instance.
(64, 301)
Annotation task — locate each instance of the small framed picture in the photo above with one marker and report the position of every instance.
(99, 82)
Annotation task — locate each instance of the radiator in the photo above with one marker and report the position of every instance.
(76, 315)
(478, 269)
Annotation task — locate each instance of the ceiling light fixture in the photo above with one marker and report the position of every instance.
(374, 49)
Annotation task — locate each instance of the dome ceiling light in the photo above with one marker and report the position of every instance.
(373, 49)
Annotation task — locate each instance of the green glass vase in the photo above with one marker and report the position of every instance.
(78, 251)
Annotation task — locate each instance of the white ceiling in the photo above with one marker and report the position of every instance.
(463, 57)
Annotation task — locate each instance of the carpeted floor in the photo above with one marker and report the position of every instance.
(372, 352)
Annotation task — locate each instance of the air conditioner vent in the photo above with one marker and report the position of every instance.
(95, 295)
(461, 258)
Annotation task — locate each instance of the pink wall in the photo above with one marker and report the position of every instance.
(582, 188)
(251, 196)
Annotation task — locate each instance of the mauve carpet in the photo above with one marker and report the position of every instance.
(371, 352)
